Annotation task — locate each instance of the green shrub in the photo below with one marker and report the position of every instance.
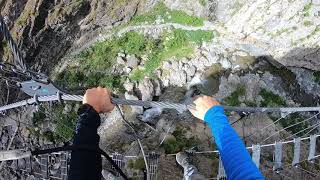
(133, 43)
(233, 99)
(180, 142)
(270, 99)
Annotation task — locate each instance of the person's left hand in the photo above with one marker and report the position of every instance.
(99, 98)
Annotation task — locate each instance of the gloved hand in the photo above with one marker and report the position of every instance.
(201, 105)
(99, 98)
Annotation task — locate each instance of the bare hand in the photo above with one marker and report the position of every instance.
(202, 105)
(99, 98)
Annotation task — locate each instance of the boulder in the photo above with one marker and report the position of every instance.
(128, 86)
(146, 90)
(178, 78)
(132, 61)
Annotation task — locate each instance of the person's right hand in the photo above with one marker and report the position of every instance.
(99, 98)
(202, 105)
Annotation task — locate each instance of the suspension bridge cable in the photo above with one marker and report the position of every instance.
(19, 61)
(261, 130)
(136, 137)
(310, 127)
(291, 126)
(179, 107)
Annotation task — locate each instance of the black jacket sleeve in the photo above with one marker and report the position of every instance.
(86, 165)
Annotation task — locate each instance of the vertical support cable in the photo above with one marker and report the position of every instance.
(221, 171)
(44, 166)
(277, 156)
(119, 160)
(312, 150)
(296, 153)
(64, 166)
(153, 160)
(256, 150)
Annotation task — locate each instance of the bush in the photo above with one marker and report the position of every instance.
(233, 99)
(180, 142)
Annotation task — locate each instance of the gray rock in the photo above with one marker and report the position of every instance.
(178, 78)
(149, 114)
(107, 175)
(157, 87)
(128, 86)
(190, 70)
(146, 89)
(134, 109)
(120, 60)
(132, 61)
(251, 81)
(127, 70)
(121, 54)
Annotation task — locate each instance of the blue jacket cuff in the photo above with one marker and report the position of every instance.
(213, 111)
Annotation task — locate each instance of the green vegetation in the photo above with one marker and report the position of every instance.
(137, 164)
(270, 99)
(173, 16)
(203, 2)
(233, 99)
(307, 23)
(93, 65)
(178, 43)
(306, 9)
(64, 123)
(180, 142)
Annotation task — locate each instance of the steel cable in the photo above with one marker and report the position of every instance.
(291, 126)
(19, 61)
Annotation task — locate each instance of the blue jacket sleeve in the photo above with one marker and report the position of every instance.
(236, 159)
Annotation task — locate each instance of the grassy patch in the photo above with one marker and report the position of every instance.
(178, 43)
(180, 142)
(92, 67)
(233, 99)
(270, 99)
(74, 79)
(163, 12)
(64, 123)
